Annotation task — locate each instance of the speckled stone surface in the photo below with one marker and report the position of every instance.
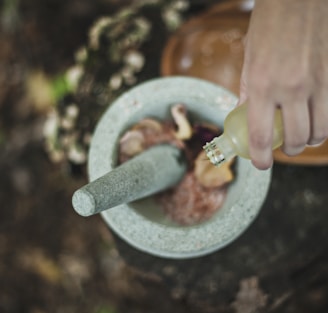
(142, 224)
(155, 169)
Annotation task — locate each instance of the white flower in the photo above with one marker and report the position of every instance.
(135, 60)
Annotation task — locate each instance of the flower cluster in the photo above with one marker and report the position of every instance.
(119, 54)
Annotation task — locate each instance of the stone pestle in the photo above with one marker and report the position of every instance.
(153, 170)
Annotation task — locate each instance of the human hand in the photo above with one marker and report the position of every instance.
(286, 66)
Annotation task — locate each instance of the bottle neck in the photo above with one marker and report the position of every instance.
(220, 150)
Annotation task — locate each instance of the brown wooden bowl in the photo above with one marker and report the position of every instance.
(317, 155)
(209, 46)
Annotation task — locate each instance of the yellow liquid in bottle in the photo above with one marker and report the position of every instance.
(234, 140)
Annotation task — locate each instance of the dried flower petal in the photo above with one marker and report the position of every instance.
(132, 143)
(211, 176)
(184, 129)
(205, 132)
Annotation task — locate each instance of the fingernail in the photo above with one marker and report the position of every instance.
(292, 151)
(263, 160)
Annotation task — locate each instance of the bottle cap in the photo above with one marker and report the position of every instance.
(214, 154)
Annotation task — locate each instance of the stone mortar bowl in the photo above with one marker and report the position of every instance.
(142, 223)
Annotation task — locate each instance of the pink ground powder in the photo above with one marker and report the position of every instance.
(189, 202)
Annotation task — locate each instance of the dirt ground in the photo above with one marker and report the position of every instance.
(52, 260)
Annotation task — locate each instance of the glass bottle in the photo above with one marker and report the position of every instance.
(234, 140)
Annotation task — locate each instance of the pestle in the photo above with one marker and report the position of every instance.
(153, 170)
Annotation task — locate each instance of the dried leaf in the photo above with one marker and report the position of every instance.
(211, 176)
(149, 124)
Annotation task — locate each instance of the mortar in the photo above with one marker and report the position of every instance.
(142, 223)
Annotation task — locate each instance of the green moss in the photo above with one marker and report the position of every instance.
(60, 87)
